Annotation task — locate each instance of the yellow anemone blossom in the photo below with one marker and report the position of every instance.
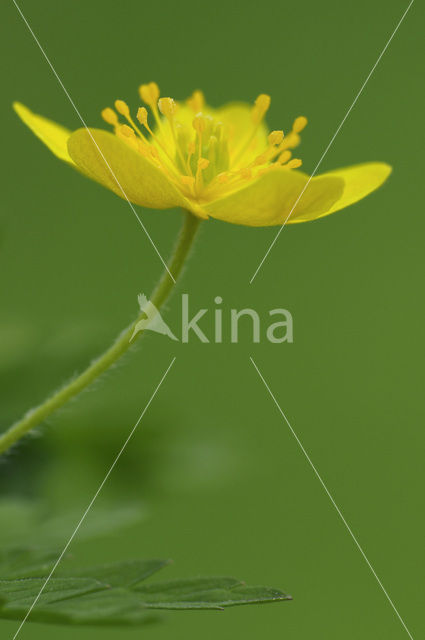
(222, 163)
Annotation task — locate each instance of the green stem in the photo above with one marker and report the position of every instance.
(121, 344)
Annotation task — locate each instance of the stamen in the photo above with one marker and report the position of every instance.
(290, 141)
(293, 139)
(299, 124)
(245, 173)
(167, 107)
(143, 148)
(261, 159)
(260, 108)
(199, 123)
(150, 94)
(203, 163)
(128, 134)
(127, 131)
(284, 157)
(294, 164)
(196, 101)
(110, 116)
(262, 103)
(275, 138)
(142, 116)
(122, 108)
(154, 152)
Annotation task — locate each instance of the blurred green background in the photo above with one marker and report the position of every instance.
(226, 487)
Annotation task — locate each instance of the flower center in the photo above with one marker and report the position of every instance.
(202, 151)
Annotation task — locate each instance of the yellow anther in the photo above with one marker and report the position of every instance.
(203, 163)
(284, 157)
(143, 148)
(122, 108)
(188, 180)
(149, 93)
(245, 173)
(109, 116)
(222, 178)
(196, 101)
(167, 107)
(275, 137)
(290, 141)
(127, 131)
(260, 107)
(294, 164)
(299, 124)
(191, 148)
(142, 116)
(261, 159)
(263, 102)
(127, 134)
(199, 123)
(154, 152)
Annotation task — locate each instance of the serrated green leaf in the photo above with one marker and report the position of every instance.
(109, 607)
(22, 593)
(111, 594)
(122, 574)
(205, 593)
(26, 563)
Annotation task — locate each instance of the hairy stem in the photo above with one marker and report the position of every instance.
(121, 344)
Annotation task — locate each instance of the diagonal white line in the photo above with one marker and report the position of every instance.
(93, 140)
(319, 477)
(102, 484)
(331, 142)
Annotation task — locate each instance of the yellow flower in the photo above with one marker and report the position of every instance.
(222, 163)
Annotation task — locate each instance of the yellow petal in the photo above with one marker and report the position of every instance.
(101, 156)
(53, 135)
(359, 181)
(268, 200)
